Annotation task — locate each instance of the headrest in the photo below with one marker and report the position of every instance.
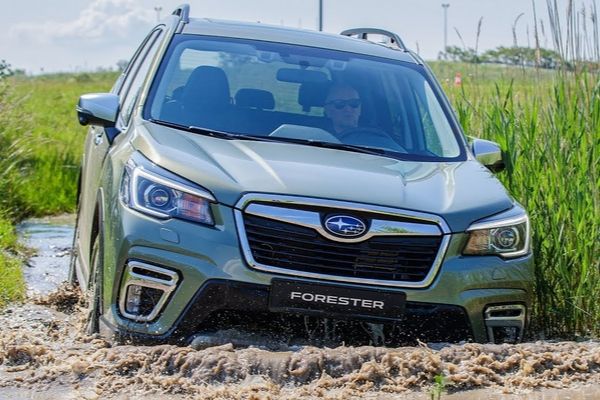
(255, 98)
(206, 86)
(312, 94)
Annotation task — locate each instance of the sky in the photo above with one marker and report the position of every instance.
(82, 35)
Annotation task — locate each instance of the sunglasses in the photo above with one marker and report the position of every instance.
(340, 104)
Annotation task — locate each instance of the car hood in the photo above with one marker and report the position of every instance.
(459, 192)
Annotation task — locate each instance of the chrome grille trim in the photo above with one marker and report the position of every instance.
(245, 205)
(311, 219)
(345, 205)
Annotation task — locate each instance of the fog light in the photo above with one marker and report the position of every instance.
(505, 323)
(506, 334)
(141, 300)
(145, 290)
(134, 299)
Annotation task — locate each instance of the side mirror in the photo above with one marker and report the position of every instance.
(489, 154)
(98, 109)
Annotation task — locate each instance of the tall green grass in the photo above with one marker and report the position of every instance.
(40, 154)
(12, 286)
(49, 178)
(13, 151)
(549, 126)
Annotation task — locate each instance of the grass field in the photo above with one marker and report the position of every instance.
(40, 152)
(12, 153)
(56, 139)
(548, 123)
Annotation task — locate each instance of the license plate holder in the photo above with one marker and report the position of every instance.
(335, 300)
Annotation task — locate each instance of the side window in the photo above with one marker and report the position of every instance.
(118, 84)
(136, 74)
(125, 78)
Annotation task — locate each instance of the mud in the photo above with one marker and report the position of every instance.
(45, 355)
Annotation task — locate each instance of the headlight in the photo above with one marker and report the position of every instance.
(151, 190)
(506, 235)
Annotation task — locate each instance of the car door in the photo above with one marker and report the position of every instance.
(98, 144)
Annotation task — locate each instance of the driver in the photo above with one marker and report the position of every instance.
(342, 107)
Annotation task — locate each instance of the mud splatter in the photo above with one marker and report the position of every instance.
(41, 346)
(67, 298)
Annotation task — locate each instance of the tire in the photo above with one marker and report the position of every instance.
(92, 325)
(72, 274)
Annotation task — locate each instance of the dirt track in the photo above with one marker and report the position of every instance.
(44, 355)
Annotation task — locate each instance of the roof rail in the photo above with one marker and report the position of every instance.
(183, 12)
(362, 33)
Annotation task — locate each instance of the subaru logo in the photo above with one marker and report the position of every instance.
(345, 225)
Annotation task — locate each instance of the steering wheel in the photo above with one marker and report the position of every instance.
(370, 137)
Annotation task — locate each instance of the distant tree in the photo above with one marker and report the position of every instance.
(5, 69)
(525, 56)
(549, 59)
(468, 55)
(122, 64)
(515, 55)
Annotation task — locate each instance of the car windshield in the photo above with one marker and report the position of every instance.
(305, 95)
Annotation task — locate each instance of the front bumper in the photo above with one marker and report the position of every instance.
(214, 280)
(222, 305)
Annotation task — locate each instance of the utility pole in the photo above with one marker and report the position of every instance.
(158, 9)
(445, 7)
(320, 15)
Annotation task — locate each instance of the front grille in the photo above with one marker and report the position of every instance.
(289, 246)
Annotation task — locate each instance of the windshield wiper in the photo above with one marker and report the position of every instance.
(338, 146)
(210, 132)
(195, 129)
(317, 143)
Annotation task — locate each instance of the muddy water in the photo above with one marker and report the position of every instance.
(44, 355)
(51, 239)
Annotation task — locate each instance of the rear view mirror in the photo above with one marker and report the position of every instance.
(301, 75)
(98, 109)
(489, 154)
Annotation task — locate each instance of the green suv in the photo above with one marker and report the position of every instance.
(288, 180)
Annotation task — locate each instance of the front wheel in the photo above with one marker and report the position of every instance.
(92, 325)
(72, 274)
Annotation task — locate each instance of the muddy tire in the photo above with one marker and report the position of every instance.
(92, 325)
(72, 274)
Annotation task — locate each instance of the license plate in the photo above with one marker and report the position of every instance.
(335, 300)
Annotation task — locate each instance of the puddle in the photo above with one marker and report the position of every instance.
(52, 239)
(45, 355)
